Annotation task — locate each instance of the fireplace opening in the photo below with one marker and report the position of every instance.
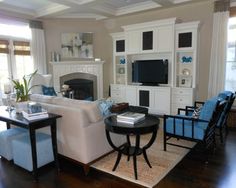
(82, 86)
(81, 89)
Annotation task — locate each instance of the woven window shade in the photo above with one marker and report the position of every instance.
(4, 46)
(21, 48)
(232, 11)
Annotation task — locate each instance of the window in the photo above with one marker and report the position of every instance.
(230, 78)
(15, 59)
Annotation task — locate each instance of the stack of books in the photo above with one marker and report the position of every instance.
(29, 115)
(130, 117)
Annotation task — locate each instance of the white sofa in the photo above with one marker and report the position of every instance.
(81, 130)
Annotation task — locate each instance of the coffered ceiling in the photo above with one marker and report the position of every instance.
(98, 9)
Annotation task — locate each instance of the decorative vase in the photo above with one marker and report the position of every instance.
(21, 106)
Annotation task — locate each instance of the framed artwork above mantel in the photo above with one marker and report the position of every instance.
(76, 45)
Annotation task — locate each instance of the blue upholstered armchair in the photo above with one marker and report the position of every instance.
(222, 123)
(200, 129)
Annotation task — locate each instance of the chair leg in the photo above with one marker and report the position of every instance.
(221, 135)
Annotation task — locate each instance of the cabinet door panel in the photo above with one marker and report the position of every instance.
(162, 100)
(165, 39)
(133, 42)
(131, 96)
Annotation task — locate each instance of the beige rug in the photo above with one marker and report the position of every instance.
(162, 162)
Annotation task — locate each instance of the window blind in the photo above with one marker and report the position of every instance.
(4, 46)
(21, 48)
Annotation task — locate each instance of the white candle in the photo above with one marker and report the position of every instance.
(7, 88)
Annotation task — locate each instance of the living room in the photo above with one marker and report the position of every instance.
(102, 23)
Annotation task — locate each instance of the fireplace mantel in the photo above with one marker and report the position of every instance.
(67, 67)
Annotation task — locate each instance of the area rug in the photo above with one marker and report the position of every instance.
(162, 161)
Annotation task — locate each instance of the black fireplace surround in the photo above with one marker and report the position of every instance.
(83, 86)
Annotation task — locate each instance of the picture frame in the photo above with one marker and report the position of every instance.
(76, 45)
(185, 81)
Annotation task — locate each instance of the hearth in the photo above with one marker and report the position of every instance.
(82, 86)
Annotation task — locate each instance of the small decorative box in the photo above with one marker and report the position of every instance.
(34, 107)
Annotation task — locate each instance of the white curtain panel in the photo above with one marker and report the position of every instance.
(218, 53)
(38, 50)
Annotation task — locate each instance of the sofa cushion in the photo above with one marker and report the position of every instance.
(48, 91)
(42, 98)
(38, 80)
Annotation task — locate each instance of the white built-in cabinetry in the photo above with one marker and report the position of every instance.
(162, 39)
(157, 99)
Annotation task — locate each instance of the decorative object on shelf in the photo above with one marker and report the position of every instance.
(186, 59)
(121, 70)
(185, 81)
(122, 60)
(77, 45)
(186, 72)
(55, 57)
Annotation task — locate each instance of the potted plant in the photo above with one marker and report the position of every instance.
(23, 91)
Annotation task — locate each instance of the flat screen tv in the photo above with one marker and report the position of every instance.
(150, 72)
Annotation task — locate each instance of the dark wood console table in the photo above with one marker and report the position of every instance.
(149, 125)
(18, 120)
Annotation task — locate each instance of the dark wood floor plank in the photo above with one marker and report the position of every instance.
(192, 172)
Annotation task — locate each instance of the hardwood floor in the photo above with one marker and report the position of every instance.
(190, 172)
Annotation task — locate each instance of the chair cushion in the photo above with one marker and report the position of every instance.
(199, 128)
(208, 109)
(49, 91)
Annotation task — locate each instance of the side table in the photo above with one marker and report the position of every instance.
(149, 125)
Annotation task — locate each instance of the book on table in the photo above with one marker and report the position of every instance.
(33, 116)
(130, 117)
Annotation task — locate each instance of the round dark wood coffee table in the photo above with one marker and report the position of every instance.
(149, 125)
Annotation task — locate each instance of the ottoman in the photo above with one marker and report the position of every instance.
(22, 155)
(6, 138)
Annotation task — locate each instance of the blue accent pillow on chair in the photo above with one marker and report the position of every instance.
(48, 91)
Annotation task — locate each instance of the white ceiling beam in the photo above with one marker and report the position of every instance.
(77, 6)
(51, 9)
(11, 8)
(163, 3)
(137, 7)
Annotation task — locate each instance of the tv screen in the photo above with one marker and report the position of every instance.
(150, 72)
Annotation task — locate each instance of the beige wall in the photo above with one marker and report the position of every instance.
(202, 11)
(55, 27)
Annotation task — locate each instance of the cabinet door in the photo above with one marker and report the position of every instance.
(131, 95)
(147, 40)
(133, 42)
(165, 39)
(162, 100)
(118, 93)
(120, 46)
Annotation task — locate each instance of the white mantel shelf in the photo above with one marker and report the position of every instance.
(67, 67)
(77, 62)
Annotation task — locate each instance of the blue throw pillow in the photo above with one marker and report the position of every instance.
(49, 91)
(105, 106)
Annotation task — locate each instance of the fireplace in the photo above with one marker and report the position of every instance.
(64, 71)
(82, 86)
